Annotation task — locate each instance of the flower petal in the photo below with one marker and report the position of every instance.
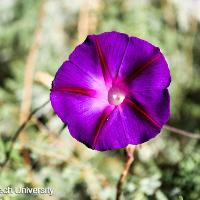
(113, 46)
(125, 126)
(138, 52)
(86, 57)
(155, 103)
(155, 76)
(144, 67)
(81, 114)
(101, 55)
(79, 100)
(71, 78)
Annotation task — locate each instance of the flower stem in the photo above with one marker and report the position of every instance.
(130, 158)
(182, 132)
(18, 132)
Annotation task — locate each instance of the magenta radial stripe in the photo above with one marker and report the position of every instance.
(77, 90)
(142, 112)
(103, 62)
(140, 69)
(101, 122)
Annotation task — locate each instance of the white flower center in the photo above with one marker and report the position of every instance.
(115, 96)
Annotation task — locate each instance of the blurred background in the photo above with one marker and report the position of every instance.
(36, 36)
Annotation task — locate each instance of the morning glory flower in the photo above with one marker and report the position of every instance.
(112, 91)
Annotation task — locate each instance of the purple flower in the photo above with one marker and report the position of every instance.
(113, 91)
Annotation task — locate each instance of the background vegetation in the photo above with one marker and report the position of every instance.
(36, 36)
